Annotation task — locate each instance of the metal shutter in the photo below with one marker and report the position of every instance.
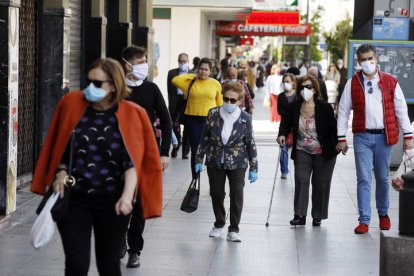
(75, 44)
(27, 90)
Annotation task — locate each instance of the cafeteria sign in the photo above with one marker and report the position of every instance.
(240, 28)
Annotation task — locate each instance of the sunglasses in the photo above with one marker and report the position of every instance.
(370, 89)
(97, 83)
(308, 86)
(231, 100)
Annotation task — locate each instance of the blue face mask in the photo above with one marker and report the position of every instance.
(229, 108)
(94, 94)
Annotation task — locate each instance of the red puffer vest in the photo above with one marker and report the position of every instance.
(387, 85)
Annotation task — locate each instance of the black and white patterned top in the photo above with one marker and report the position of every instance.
(99, 158)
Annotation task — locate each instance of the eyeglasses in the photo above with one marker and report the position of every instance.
(308, 86)
(370, 89)
(231, 100)
(97, 83)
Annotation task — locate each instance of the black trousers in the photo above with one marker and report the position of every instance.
(307, 167)
(217, 180)
(136, 229)
(194, 127)
(76, 231)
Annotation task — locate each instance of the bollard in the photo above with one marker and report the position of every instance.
(406, 212)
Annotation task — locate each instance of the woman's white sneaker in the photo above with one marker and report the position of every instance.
(233, 237)
(215, 233)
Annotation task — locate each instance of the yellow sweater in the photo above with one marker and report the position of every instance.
(204, 94)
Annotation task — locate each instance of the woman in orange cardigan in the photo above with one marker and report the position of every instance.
(112, 138)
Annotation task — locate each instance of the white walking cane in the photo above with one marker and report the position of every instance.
(274, 183)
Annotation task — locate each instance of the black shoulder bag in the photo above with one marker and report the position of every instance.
(183, 106)
(60, 209)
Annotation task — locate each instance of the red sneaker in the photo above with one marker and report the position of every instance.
(361, 229)
(385, 222)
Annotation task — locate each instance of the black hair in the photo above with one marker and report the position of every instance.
(366, 48)
(205, 61)
(293, 70)
(133, 51)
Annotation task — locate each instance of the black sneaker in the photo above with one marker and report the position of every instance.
(298, 220)
(174, 152)
(123, 250)
(316, 222)
(133, 260)
(185, 155)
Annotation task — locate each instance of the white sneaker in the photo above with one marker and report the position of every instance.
(233, 237)
(215, 233)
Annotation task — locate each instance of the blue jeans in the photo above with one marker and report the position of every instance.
(284, 159)
(372, 150)
(194, 127)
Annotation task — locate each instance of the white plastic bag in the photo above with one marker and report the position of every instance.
(44, 226)
(397, 182)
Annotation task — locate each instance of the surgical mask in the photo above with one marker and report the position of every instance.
(307, 94)
(368, 66)
(229, 108)
(340, 66)
(232, 80)
(287, 86)
(94, 94)
(183, 67)
(139, 71)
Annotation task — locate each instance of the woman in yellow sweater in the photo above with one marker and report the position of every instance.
(202, 93)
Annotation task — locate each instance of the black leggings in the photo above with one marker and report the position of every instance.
(76, 233)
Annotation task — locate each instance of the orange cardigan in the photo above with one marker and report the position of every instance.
(137, 134)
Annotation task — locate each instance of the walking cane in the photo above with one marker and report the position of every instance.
(274, 183)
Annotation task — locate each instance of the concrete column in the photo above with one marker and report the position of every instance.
(119, 27)
(9, 77)
(95, 25)
(144, 33)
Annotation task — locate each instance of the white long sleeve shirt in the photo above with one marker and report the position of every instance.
(273, 85)
(374, 114)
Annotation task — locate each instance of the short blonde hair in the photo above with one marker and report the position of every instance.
(235, 87)
(115, 73)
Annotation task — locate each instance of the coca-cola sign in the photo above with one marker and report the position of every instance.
(240, 28)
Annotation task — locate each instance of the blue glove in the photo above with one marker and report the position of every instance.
(252, 176)
(198, 167)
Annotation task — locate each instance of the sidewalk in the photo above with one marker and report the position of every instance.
(178, 243)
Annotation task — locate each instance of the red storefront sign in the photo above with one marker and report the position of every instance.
(240, 28)
(248, 41)
(273, 18)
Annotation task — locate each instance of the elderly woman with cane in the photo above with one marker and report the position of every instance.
(314, 149)
(228, 143)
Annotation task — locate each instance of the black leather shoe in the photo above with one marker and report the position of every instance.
(185, 155)
(133, 260)
(316, 222)
(298, 220)
(174, 152)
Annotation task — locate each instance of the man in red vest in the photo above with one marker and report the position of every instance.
(379, 110)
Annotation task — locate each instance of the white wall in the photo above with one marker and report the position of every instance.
(205, 37)
(185, 33)
(162, 36)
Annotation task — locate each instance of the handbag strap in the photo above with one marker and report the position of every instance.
(189, 88)
(71, 144)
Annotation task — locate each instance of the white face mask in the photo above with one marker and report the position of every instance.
(340, 66)
(287, 86)
(307, 94)
(183, 67)
(139, 71)
(368, 66)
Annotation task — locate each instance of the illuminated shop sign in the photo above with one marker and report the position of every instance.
(240, 28)
(273, 18)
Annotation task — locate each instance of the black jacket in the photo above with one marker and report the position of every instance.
(282, 103)
(325, 126)
(323, 90)
(174, 100)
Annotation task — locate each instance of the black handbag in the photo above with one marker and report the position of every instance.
(60, 210)
(190, 201)
(181, 110)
